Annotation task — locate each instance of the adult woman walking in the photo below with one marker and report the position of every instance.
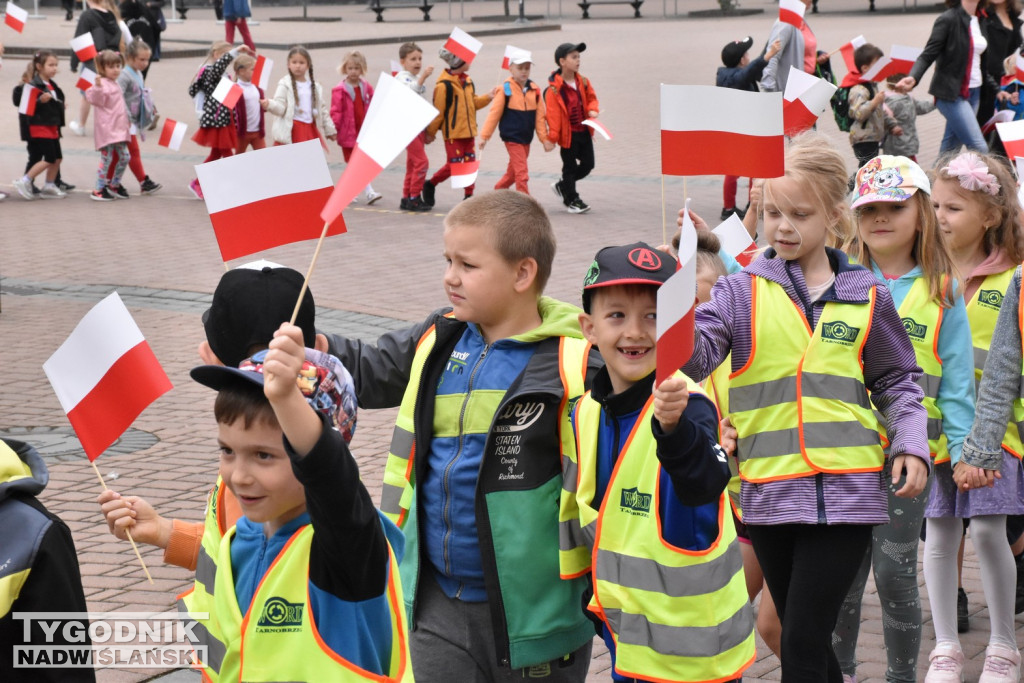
(1001, 23)
(956, 46)
(235, 14)
(799, 50)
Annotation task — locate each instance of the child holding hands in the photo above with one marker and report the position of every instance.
(250, 123)
(299, 105)
(111, 127)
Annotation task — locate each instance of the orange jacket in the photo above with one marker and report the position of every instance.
(557, 115)
(519, 102)
(458, 104)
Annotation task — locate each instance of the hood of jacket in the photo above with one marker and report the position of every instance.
(558, 319)
(853, 282)
(22, 470)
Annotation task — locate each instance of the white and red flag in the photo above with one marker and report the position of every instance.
(848, 49)
(599, 127)
(1018, 61)
(15, 17)
(900, 60)
(29, 97)
(227, 92)
(104, 375)
(462, 45)
(84, 47)
(792, 12)
(736, 241)
(677, 299)
(1001, 116)
(172, 134)
(86, 79)
(261, 71)
(396, 66)
(1012, 135)
(805, 99)
(267, 198)
(464, 173)
(509, 51)
(720, 131)
(396, 115)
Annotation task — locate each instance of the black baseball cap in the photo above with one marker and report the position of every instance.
(249, 304)
(733, 52)
(633, 264)
(565, 48)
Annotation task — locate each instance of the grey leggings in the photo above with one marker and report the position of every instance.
(893, 552)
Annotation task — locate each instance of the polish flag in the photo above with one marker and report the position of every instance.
(29, 95)
(464, 173)
(676, 302)
(15, 17)
(261, 72)
(1018, 163)
(1001, 116)
(900, 60)
(172, 134)
(263, 199)
(792, 12)
(227, 92)
(1018, 62)
(395, 116)
(463, 45)
(509, 51)
(83, 46)
(847, 52)
(396, 66)
(1012, 135)
(104, 375)
(599, 127)
(806, 97)
(86, 79)
(736, 241)
(720, 131)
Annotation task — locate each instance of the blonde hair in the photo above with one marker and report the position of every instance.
(357, 58)
(242, 62)
(300, 50)
(106, 59)
(1007, 233)
(813, 161)
(218, 48)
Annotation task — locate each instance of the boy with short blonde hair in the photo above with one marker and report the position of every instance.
(414, 75)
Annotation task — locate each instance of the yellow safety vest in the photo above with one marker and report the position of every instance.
(800, 404)
(717, 387)
(277, 638)
(675, 614)
(982, 313)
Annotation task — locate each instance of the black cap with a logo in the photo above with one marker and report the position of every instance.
(633, 264)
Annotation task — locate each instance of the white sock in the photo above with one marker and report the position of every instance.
(369, 190)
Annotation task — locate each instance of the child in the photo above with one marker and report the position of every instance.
(650, 492)
(898, 238)
(904, 110)
(870, 123)
(456, 99)
(43, 127)
(975, 201)
(349, 101)
(569, 100)
(111, 127)
(299, 105)
(413, 75)
(250, 125)
(741, 73)
(216, 130)
(306, 518)
(484, 390)
(809, 453)
(517, 111)
(139, 102)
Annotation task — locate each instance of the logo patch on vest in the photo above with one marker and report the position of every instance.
(280, 616)
(839, 332)
(914, 330)
(457, 362)
(991, 298)
(636, 503)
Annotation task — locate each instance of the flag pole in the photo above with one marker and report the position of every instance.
(309, 273)
(664, 231)
(128, 533)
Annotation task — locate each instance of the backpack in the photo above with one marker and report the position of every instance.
(841, 106)
(198, 96)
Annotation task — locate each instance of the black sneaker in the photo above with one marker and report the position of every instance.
(734, 210)
(65, 187)
(578, 206)
(1019, 603)
(102, 195)
(556, 187)
(119, 192)
(427, 195)
(963, 621)
(404, 204)
(148, 187)
(416, 204)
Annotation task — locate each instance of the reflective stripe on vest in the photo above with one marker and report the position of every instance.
(982, 313)
(675, 615)
(800, 404)
(717, 388)
(277, 638)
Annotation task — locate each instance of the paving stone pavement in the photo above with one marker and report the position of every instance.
(57, 258)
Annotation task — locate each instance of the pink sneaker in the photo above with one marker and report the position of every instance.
(196, 190)
(1002, 665)
(849, 679)
(946, 664)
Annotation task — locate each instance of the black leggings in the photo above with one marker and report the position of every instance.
(809, 569)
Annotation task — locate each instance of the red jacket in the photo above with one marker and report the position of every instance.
(557, 113)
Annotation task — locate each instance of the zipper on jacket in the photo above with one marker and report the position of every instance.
(445, 488)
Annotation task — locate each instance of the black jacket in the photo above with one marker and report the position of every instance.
(949, 47)
(741, 77)
(47, 113)
(106, 34)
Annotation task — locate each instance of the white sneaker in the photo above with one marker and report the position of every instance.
(1002, 665)
(52, 192)
(946, 664)
(849, 679)
(24, 188)
(77, 128)
(372, 196)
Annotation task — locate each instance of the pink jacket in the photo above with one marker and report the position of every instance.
(110, 124)
(343, 110)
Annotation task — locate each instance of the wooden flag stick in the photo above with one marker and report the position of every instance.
(309, 273)
(128, 533)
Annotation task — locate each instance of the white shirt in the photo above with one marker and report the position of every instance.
(979, 47)
(252, 106)
(304, 107)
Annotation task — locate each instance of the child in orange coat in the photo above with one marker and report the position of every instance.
(570, 100)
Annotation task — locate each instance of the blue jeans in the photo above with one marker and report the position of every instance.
(961, 123)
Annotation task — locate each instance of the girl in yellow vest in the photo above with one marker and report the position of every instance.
(898, 238)
(810, 335)
(976, 202)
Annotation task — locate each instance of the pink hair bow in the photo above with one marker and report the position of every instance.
(972, 173)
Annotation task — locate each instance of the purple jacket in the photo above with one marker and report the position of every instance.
(890, 371)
